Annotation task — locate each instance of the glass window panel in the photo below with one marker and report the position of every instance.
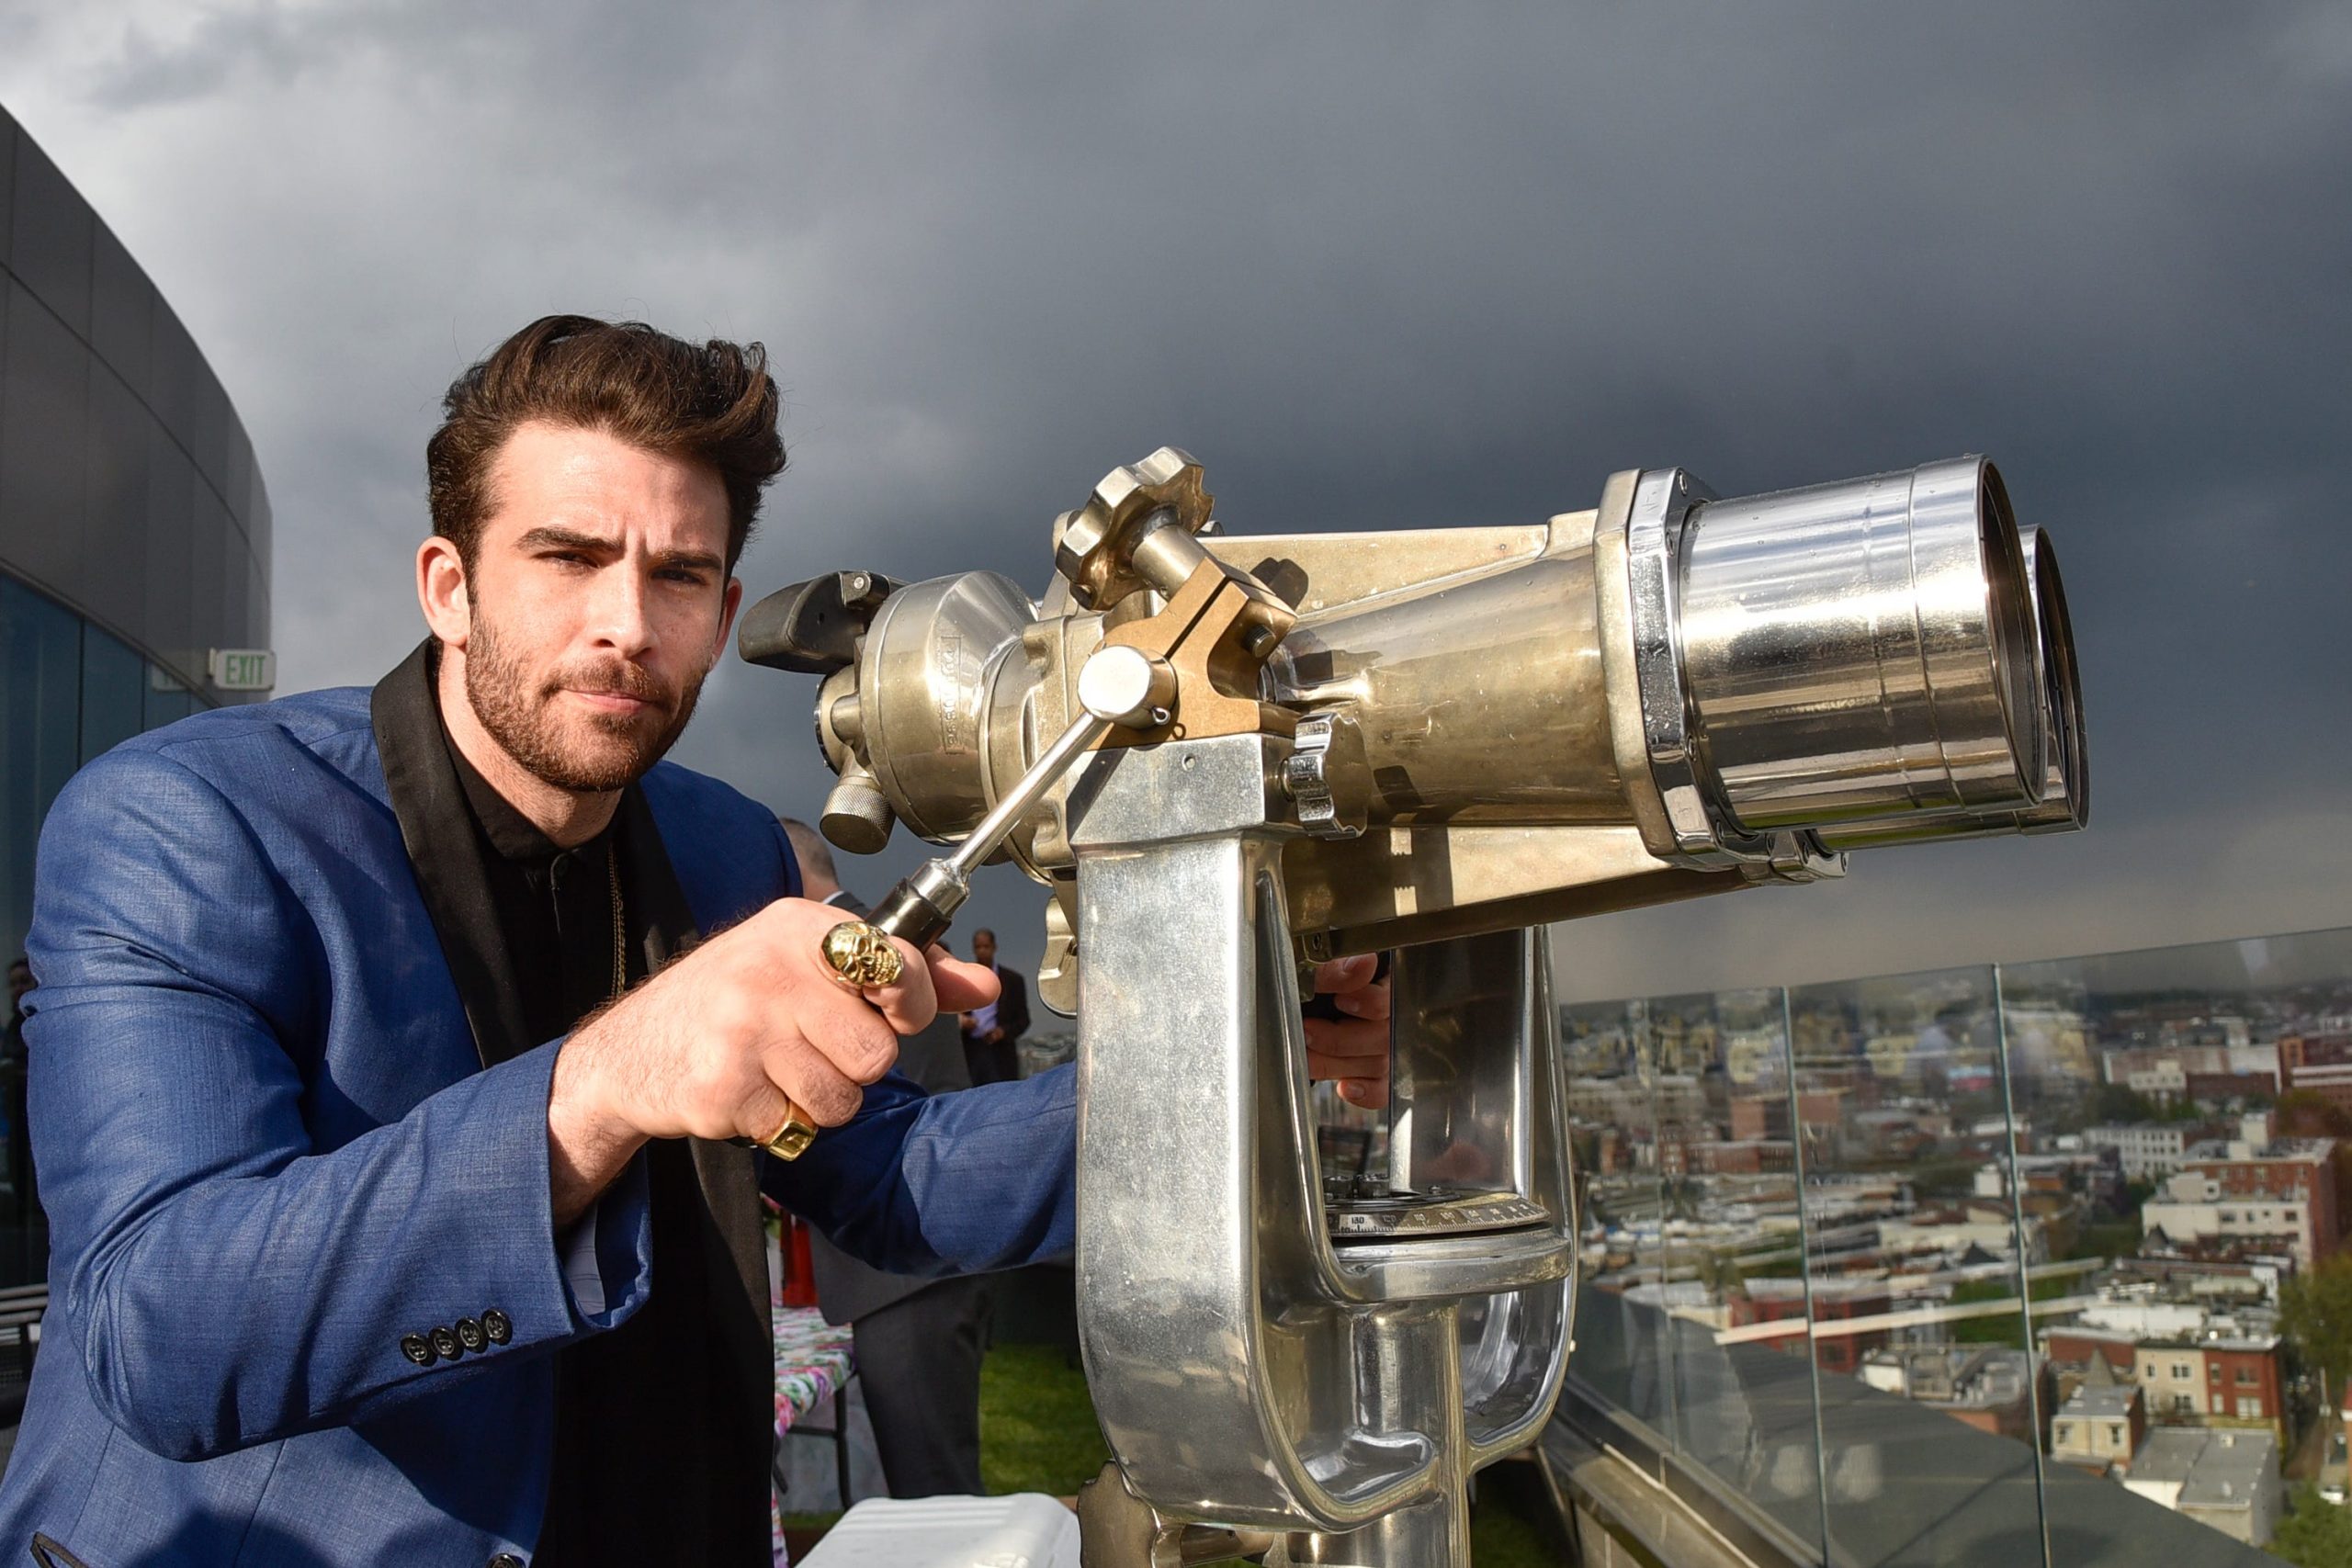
(259, 524)
(43, 421)
(240, 489)
(113, 584)
(210, 626)
(235, 582)
(114, 692)
(208, 436)
(40, 731)
(49, 243)
(174, 371)
(256, 605)
(166, 700)
(167, 624)
(120, 307)
(8, 135)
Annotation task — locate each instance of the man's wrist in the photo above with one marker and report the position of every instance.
(588, 1143)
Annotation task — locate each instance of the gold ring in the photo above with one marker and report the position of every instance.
(862, 956)
(791, 1140)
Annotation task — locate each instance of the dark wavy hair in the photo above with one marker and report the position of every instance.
(713, 404)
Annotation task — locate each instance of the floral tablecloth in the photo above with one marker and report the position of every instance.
(812, 1364)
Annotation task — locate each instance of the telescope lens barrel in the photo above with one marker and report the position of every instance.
(1864, 650)
(2064, 805)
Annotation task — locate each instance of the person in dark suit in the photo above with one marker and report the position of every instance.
(919, 1341)
(992, 1034)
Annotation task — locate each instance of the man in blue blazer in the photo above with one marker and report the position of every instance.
(394, 1052)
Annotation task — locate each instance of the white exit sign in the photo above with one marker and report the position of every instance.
(242, 669)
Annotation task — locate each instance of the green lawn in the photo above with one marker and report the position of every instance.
(1038, 1434)
(1037, 1431)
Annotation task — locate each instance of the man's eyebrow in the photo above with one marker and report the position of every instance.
(549, 536)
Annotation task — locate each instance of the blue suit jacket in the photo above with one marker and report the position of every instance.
(270, 1152)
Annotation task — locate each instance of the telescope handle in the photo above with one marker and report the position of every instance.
(907, 914)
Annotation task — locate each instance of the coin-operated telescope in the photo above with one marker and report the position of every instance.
(1229, 754)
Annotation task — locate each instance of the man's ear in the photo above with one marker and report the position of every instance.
(727, 616)
(441, 591)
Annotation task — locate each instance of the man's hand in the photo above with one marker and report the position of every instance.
(713, 1045)
(1353, 1049)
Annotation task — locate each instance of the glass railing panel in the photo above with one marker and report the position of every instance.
(1916, 1270)
(2180, 1109)
(1712, 1247)
(2062, 1229)
(1624, 1346)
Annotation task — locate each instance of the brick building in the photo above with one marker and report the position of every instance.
(2320, 1064)
(2198, 1383)
(2286, 1191)
(2185, 1379)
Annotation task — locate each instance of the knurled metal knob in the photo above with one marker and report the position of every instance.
(1094, 546)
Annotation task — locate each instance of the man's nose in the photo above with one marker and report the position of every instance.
(620, 617)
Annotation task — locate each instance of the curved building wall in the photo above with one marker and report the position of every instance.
(134, 530)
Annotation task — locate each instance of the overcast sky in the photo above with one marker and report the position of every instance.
(1376, 265)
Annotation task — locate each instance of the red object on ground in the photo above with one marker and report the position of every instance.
(799, 1269)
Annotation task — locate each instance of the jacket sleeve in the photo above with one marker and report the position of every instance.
(224, 1282)
(1013, 1011)
(981, 1179)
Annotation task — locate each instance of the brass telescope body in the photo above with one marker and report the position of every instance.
(1664, 697)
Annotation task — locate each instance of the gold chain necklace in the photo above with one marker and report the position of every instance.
(620, 931)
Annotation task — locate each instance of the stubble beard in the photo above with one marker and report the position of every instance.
(595, 752)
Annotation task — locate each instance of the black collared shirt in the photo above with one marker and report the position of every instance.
(557, 910)
(643, 1470)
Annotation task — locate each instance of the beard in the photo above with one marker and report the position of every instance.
(584, 753)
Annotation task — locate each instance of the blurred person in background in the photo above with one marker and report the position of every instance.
(992, 1031)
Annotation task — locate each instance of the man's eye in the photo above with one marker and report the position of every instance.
(689, 575)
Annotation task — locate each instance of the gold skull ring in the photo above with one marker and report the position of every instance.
(861, 955)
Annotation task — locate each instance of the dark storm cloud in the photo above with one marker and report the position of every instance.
(1376, 265)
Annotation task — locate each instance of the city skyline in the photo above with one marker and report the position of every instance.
(1375, 269)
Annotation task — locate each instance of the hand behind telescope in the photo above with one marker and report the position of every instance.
(711, 1046)
(1352, 1048)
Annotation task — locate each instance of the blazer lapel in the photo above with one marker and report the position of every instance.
(436, 828)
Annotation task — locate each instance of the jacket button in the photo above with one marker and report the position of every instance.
(498, 1325)
(445, 1342)
(417, 1349)
(469, 1334)
(505, 1559)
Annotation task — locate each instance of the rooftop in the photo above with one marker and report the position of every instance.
(2100, 1402)
(2300, 1151)
(2215, 1469)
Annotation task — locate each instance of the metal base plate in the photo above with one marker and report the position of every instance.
(1359, 1211)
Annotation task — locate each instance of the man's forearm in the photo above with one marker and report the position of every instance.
(981, 1179)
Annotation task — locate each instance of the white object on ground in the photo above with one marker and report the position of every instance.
(1027, 1530)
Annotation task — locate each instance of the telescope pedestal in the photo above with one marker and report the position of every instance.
(1252, 1370)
